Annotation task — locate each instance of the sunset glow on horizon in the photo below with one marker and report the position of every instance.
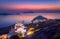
(32, 7)
(30, 4)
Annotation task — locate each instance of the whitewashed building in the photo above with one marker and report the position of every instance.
(18, 28)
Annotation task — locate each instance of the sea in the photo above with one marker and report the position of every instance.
(7, 20)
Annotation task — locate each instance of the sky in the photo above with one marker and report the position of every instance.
(30, 4)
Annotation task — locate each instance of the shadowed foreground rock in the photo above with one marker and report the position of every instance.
(52, 32)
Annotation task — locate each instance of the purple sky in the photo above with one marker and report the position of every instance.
(29, 4)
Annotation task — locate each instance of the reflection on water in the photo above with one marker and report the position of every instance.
(6, 20)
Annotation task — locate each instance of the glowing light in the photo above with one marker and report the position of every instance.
(30, 31)
(4, 36)
(0, 37)
(20, 29)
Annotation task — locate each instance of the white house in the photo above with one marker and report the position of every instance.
(19, 28)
